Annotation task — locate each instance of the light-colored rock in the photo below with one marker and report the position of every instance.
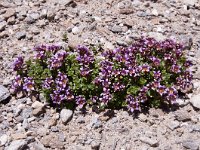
(173, 125)
(149, 141)
(66, 115)
(3, 139)
(195, 101)
(9, 13)
(2, 25)
(17, 145)
(190, 144)
(4, 93)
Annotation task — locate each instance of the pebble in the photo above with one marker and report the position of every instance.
(190, 144)
(17, 145)
(66, 115)
(195, 101)
(2, 25)
(3, 139)
(4, 93)
(20, 35)
(173, 125)
(149, 141)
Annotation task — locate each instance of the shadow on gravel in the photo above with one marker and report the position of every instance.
(6, 101)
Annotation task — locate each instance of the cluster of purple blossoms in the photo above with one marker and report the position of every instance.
(86, 59)
(41, 51)
(62, 90)
(133, 103)
(18, 64)
(57, 60)
(17, 83)
(184, 81)
(28, 84)
(80, 100)
(48, 82)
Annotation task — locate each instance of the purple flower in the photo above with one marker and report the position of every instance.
(40, 55)
(17, 83)
(80, 101)
(118, 87)
(18, 64)
(69, 94)
(156, 61)
(48, 83)
(172, 94)
(57, 98)
(40, 48)
(60, 55)
(53, 48)
(61, 81)
(85, 71)
(144, 68)
(157, 75)
(161, 90)
(28, 84)
(188, 63)
(175, 68)
(132, 103)
(106, 96)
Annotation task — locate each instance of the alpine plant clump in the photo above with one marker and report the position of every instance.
(147, 73)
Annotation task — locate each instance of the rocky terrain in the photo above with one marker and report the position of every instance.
(29, 124)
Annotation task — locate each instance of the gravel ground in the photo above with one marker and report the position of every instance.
(30, 124)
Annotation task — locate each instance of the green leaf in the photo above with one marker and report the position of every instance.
(133, 90)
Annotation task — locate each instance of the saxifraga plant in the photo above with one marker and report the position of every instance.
(147, 72)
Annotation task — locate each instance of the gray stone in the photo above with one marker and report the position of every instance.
(190, 144)
(9, 13)
(182, 116)
(50, 15)
(95, 145)
(173, 125)
(17, 145)
(66, 115)
(195, 101)
(4, 93)
(64, 2)
(3, 139)
(190, 2)
(75, 30)
(125, 7)
(2, 25)
(35, 16)
(30, 20)
(157, 36)
(116, 29)
(20, 35)
(149, 141)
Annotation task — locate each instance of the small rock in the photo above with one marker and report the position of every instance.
(38, 145)
(18, 136)
(17, 145)
(4, 93)
(35, 16)
(173, 125)
(155, 12)
(116, 29)
(75, 30)
(195, 101)
(151, 142)
(30, 20)
(182, 116)
(95, 145)
(38, 108)
(142, 117)
(108, 46)
(125, 7)
(2, 25)
(50, 15)
(81, 119)
(66, 115)
(9, 13)
(190, 144)
(3, 139)
(20, 35)
(182, 102)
